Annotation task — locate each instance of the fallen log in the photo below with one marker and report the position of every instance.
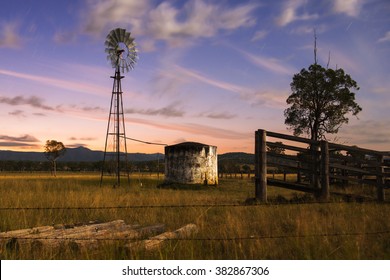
(157, 241)
(80, 237)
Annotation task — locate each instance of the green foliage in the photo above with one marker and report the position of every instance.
(275, 149)
(320, 101)
(54, 150)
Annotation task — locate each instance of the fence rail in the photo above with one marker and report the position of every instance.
(317, 164)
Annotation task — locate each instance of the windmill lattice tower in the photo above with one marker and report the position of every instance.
(121, 52)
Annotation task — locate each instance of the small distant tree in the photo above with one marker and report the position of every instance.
(53, 151)
(275, 149)
(246, 168)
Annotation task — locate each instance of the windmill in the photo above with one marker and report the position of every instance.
(122, 54)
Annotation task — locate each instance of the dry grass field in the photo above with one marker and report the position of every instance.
(227, 229)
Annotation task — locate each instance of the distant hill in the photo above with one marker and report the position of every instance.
(240, 158)
(82, 154)
(74, 155)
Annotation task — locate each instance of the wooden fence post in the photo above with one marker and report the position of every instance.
(299, 177)
(380, 180)
(260, 165)
(324, 196)
(316, 161)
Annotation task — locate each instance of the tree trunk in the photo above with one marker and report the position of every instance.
(314, 178)
(54, 168)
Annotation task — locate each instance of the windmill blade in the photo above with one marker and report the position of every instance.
(133, 57)
(118, 35)
(129, 44)
(134, 50)
(108, 38)
(132, 63)
(128, 40)
(128, 59)
(114, 36)
(109, 58)
(122, 33)
(126, 37)
(110, 43)
(109, 50)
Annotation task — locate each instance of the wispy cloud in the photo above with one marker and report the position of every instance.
(63, 84)
(204, 79)
(251, 95)
(19, 145)
(370, 134)
(92, 109)
(17, 113)
(291, 12)
(64, 37)
(172, 110)
(76, 145)
(381, 89)
(32, 101)
(271, 64)
(218, 115)
(9, 35)
(309, 29)
(385, 38)
(168, 82)
(275, 98)
(39, 114)
(24, 138)
(82, 138)
(194, 128)
(259, 35)
(177, 26)
(102, 14)
(349, 7)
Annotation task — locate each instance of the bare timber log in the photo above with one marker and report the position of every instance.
(183, 232)
(157, 241)
(88, 236)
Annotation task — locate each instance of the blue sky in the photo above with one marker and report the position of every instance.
(208, 71)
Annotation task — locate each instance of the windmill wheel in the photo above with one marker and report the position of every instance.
(121, 50)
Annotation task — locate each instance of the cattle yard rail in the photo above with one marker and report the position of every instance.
(317, 165)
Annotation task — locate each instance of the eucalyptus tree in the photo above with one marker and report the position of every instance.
(53, 151)
(321, 100)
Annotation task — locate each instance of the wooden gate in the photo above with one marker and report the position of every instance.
(316, 165)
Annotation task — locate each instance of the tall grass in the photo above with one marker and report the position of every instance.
(275, 231)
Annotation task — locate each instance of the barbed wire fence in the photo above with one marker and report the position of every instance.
(193, 238)
(335, 234)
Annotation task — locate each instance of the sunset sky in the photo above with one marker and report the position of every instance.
(208, 71)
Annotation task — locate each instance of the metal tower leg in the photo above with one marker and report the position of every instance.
(116, 160)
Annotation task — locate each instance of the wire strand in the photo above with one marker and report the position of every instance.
(183, 206)
(315, 235)
(145, 142)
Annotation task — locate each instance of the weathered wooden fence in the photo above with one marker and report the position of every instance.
(317, 165)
